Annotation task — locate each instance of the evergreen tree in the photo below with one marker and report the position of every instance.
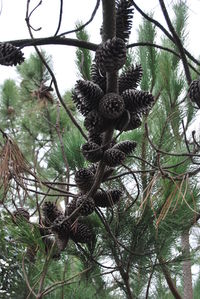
(101, 180)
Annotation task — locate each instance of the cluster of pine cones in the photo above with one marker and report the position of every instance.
(103, 111)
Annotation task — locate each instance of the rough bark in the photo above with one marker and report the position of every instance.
(187, 274)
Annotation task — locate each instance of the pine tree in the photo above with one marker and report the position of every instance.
(108, 171)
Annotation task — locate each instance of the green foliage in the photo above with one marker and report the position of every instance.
(83, 56)
(148, 55)
(33, 73)
(72, 147)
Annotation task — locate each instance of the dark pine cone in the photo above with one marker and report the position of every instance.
(61, 229)
(130, 78)
(70, 208)
(10, 55)
(86, 96)
(113, 157)
(194, 92)
(84, 179)
(21, 213)
(108, 171)
(96, 123)
(111, 55)
(126, 147)
(111, 106)
(92, 152)
(137, 101)
(95, 138)
(105, 199)
(124, 15)
(87, 205)
(98, 77)
(128, 123)
(83, 234)
(50, 212)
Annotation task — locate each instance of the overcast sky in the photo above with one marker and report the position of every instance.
(13, 26)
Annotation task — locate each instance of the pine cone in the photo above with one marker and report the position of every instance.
(83, 234)
(126, 124)
(126, 147)
(96, 123)
(111, 106)
(70, 207)
(130, 78)
(48, 243)
(10, 55)
(92, 152)
(108, 171)
(21, 213)
(87, 205)
(98, 77)
(86, 96)
(194, 92)
(80, 103)
(111, 55)
(84, 179)
(113, 157)
(95, 138)
(61, 229)
(137, 101)
(50, 212)
(124, 15)
(105, 199)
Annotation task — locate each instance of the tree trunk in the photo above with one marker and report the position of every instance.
(187, 274)
(169, 280)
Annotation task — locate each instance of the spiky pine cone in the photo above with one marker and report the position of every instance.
(113, 157)
(124, 15)
(126, 147)
(84, 179)
(92, 152)
(86, 205)
(108, 171)
(21, 213)
(80, 103)
(10, 55)
(137, 101)
(128, 122)
(111, 55)
(105, 199)
(48, 243)
(194, 92)
(130, 78)
(83, 234)
(96, 123)
(98, 77)
(87, 95)
(61, 229)
(95, 138)
(50, 212)
(71, 207)
(111, 106)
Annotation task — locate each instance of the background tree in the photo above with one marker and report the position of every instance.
(143, 206)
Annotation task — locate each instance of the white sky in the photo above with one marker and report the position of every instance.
(13, 26)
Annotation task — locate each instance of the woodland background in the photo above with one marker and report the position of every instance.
(142, 244)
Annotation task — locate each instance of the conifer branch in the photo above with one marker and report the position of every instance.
(177, 42)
